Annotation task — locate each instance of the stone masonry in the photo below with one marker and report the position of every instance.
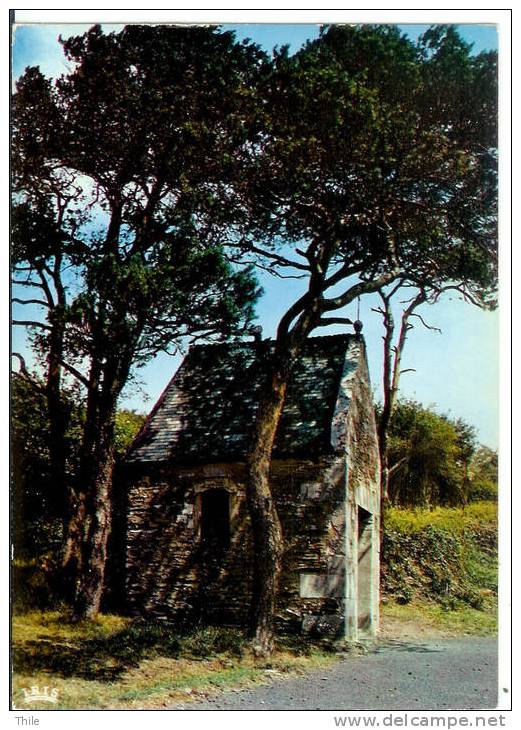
(188, 545)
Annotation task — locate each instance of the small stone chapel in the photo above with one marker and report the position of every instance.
(188, 544)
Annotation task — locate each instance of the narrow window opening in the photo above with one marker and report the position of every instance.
(215, 520)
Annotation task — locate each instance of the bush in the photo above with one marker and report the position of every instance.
(430, 454)
(31, 585)
(448, 556)
(211, 640)
(481, 490)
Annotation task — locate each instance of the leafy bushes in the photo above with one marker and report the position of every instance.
(446, 555)
(31, 587)
(482, 490)
(429, 455)
(210, 640)
(452, 519)
(435, 460)
(38, 508)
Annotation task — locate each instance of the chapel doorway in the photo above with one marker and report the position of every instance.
(365, 570)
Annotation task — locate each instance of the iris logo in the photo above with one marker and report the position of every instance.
(43, 695)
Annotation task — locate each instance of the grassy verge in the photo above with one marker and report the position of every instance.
(116, 663)
(439, 568)
(452, 519)
(465, 620)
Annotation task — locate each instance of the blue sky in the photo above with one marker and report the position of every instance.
(455, 371)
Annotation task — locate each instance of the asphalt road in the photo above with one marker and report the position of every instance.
(456, 674)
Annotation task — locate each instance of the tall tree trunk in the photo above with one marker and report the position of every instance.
(391, 380)
(383, 443)
(96, 526)
(96, 506)
(266, 529)
(58, 420)
(96, 484)
(68, 509)
(72, 557)
(70, 567)
(388, 404)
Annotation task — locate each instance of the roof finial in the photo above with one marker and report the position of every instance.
(357, 324)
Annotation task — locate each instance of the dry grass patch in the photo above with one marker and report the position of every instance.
(424, 617)
(117, 663)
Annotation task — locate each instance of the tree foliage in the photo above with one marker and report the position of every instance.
(122, 201)
(128, 424)
(38, 509)
(483, 472)
(119, 168)
(37, 504)
(429, 457)
(373, 145)
(376, 165)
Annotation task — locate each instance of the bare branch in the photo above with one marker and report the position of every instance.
(342, 273)
(394, 468)
(73, 371)
(31, 323)
(424, 323)
(404, 329)
(46, 288)
(26, 374)
(27, 283)
(465, 294)
(363, 287)
(41, 302)
(326, 321)
(266, 267)
(276, 258)
(282, 276)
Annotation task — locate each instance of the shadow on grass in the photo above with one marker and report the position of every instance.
(106, 659)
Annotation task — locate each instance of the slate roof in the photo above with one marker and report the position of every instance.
(207, 410)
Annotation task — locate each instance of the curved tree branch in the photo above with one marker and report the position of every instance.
(326, 321)
(424, 323)
(26, 374)
(40, 302)
(31, 323)
(73, 371)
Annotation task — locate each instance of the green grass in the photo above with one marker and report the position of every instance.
(452, 519)
(114, 662)
(442, 574)
(463, 620)
(440, 567)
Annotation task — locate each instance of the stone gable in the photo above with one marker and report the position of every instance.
(188, 535)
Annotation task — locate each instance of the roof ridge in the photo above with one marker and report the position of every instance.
(267, 340)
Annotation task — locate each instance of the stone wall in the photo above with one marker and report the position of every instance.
(329, 577)
(363, 464)
(168, 573)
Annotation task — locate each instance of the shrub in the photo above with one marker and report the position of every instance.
(482, 490)
(31, 585)
(210, 640)
(445, 555)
